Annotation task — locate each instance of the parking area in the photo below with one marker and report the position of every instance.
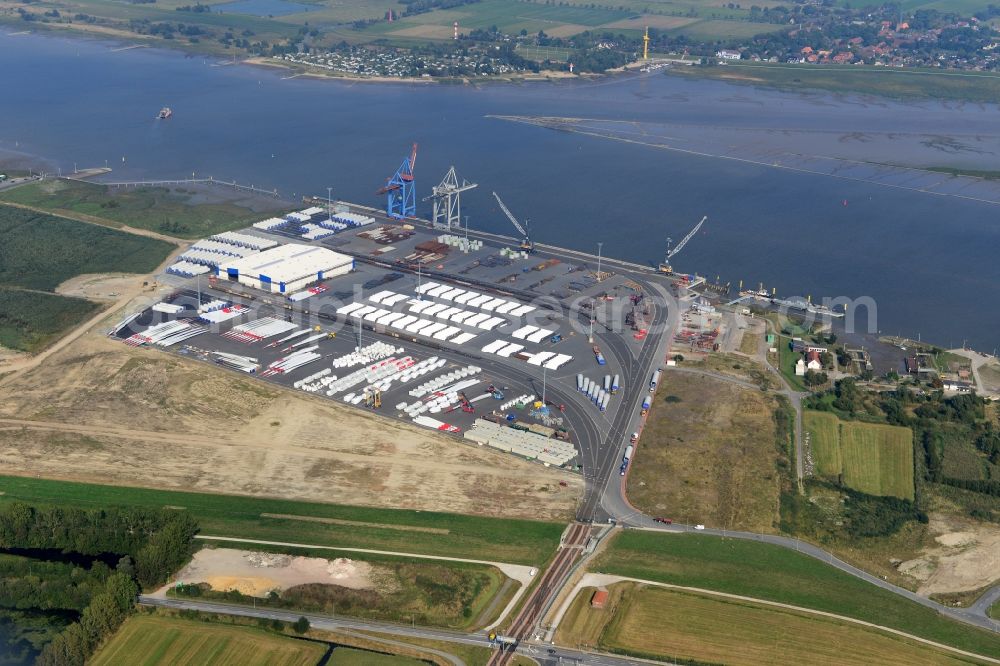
(474, 338)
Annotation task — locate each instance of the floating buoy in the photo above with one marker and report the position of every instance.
(845, 202)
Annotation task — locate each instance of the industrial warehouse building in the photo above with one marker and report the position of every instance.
(287, 268)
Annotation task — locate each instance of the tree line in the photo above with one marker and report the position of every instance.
(150, 544)
(158, 541)
(99, 620)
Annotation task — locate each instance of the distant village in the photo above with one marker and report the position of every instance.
(396, 63)
(837, 35)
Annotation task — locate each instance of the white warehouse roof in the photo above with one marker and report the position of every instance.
(287, 264)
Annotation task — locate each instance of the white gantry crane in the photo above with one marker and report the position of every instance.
(448, 202)
(526, 243)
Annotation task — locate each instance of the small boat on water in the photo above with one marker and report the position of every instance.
(164, 113)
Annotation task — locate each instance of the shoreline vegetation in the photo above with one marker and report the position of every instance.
(899, 84)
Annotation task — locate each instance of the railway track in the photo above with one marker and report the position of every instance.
(549, 584)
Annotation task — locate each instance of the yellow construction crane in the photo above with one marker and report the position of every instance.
(645, 45)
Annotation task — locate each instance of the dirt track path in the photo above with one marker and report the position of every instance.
(19, 365)
(100, 222)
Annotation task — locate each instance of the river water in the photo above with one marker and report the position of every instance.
(790, 182)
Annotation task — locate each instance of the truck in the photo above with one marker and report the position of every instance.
(647, 402)
(614, 385)
(655, 380)
(629, 450)
(599, 356)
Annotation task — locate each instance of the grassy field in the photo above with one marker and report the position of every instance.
(786, 364)
(114, 18)
(708, 455)
(160, 209)
(994, 611)
(152, 640)
(423, 532)
(962, 7)
(881, 81)
(873, 458)
(714, 29)
(734, 365)
(510, 16)
(749, 343)
(542, 53)
(584, 626)
(41, 251)
(29, 320)
(773, 573)
(352, 657)
(663, 624)
(949, 362)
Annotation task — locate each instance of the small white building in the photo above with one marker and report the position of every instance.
(800, 368)
(287, 268)
(726, 54)
(957, 386)
(702, 306)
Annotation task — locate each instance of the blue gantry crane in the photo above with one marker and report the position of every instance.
(401, 195)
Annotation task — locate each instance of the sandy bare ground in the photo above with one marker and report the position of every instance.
(966, 556)
(257, 573)
(100, 286)
(99, 411)
(9, 357)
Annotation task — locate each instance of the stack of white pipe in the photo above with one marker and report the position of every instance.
(318, 384)
(315, 377)
(369, 354)
(524, 399)
(438, 401)
(292, 361)
(441, 381)
(379, 375)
